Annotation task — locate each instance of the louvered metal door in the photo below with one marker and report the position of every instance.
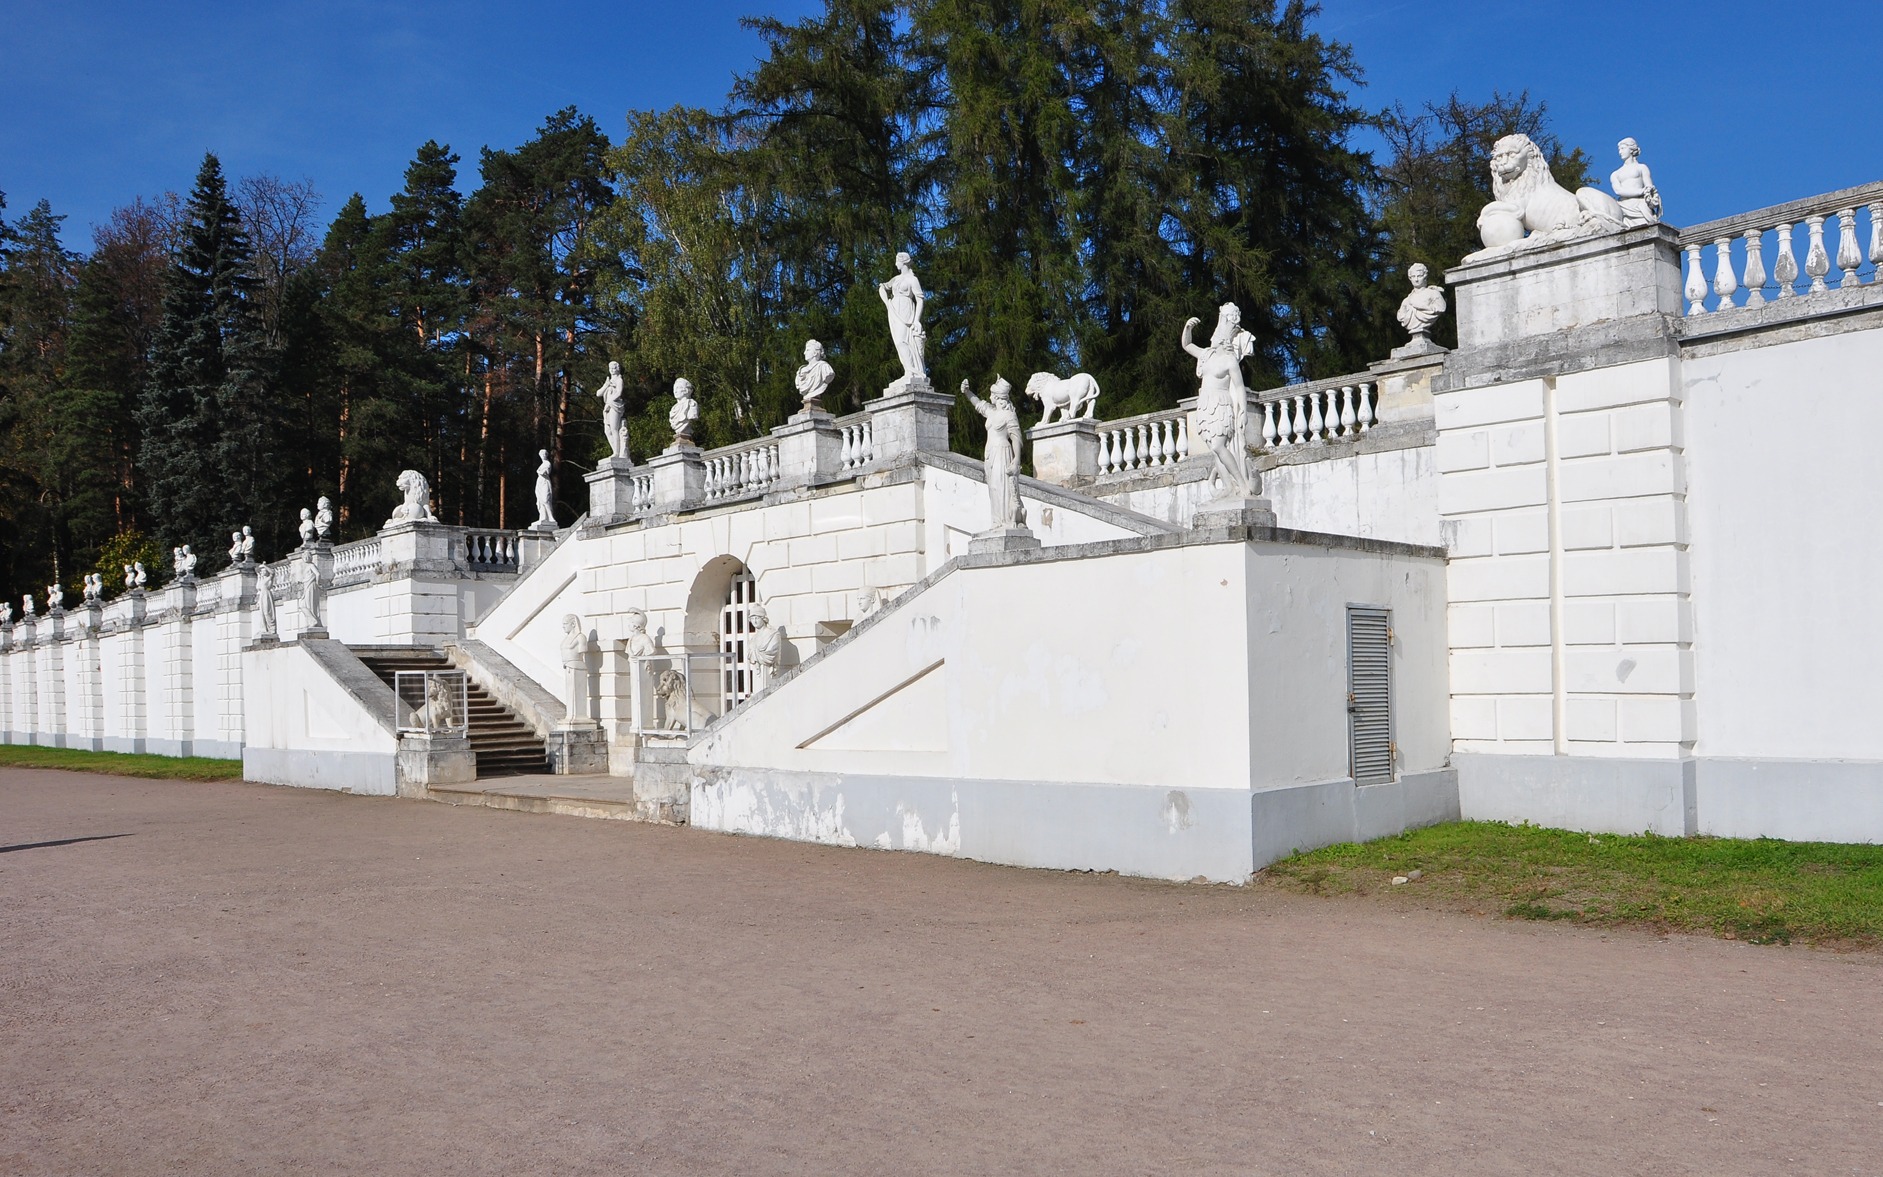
(1370, 694)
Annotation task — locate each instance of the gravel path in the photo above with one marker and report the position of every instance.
(235, 978)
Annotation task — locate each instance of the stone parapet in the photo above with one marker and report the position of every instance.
(911, 420)
(1065, 453)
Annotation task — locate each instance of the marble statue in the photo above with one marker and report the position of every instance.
(903, 300)
(323, 519)
(55, 598)
(868, 601)
(94, 587)
(26, 606)
(6, 613)
(1222, 400)
(130, 577)
(313, 592)
(440, 713)
(613, 394)
(545, 494)
(307, 529)
(417, 504)
(685, 413)
(1002, 459)
(1634, 187)
(140, 579)
(1075, 396)
(248, 546)
(189, 562)
(1529, 200)
(814, 377)
(764, 646)
(265, 600)
(638, 644)
(671, 689)
(1421, 308)
(574, 650)
(235, 547)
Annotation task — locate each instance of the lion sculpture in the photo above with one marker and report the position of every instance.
(1075, 396)
(417, 507)
(1529, 200)
(670, 687)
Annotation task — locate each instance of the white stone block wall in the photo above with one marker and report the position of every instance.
(1563, 502)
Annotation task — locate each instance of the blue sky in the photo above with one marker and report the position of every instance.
(1737, 105)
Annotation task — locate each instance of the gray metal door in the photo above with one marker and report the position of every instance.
(1370, 694)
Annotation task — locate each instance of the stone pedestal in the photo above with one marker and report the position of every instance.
(1231, 513)
(810, 447)
(426, 760)
(910, 419)
(409, 547)
(1403, 385)
(1003, 539)
(533, 547)
(578, 751)
(1065, 453)
(679, 477)
(610, 491)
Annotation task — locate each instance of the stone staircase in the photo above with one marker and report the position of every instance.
(503, 743)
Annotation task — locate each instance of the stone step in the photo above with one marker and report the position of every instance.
(571, 796)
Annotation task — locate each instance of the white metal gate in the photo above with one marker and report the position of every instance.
(735, 626)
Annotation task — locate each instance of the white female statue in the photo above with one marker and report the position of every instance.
(1634, 187)
(313, 592)
(545, 496)
(685, 413)
(265, 601)
(613, 395)
(574, 649)
(814, 377)
(1002, 455)
(1222, 400)
(638, 644)
(903, 298)
(763, 647)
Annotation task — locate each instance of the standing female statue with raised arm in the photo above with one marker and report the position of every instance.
(1002, 464)
(903, 298)
(1222, 401)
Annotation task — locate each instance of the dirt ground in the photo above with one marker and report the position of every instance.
(234, 978)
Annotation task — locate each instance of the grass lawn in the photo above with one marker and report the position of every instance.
(1765, 891)
(181, 768)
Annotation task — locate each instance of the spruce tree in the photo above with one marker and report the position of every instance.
(210, 433)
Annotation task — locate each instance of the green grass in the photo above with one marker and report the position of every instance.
(1764, 891)
(178, 768)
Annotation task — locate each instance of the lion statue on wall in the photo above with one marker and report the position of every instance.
(1075, 396)
(417, 507)
(1530, 201)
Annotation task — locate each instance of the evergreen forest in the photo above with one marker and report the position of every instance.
(1074, 178)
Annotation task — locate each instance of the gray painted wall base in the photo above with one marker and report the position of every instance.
(124, 743)
(347, 772)
(1212, 835)
(218, 749)
(162, 747)
(1798, 800)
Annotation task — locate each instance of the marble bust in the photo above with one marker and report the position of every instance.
(1634, 187)
(55, 598)
(139, 578)
(685, 413)
(814, 377)
(1422, 307)
(637, 643)
(323, 519)
(903, 301)
(26, 606)
(307, 529)
(613, 394)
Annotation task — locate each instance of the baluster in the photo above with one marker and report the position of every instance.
(1153, 446)
(1723, 282)
(1346, 410)
(1166, 442)
(1285, 421)
(1785, 265)
(1131, 452)
(1848, 256)
(1876, 242)
(1107, 444)
(1147, 449)
(1317, 424)
(1696, 282)
(1183, 438)
(846, 455)
(1302, 432)
(1755, 268)
(1368, 417)
(1268, 424)
(1817, 262)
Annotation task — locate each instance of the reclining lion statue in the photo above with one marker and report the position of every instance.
(1529, 200)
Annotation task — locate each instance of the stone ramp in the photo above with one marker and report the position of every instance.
(610, 797)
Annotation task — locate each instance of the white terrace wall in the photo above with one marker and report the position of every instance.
(1166, 707)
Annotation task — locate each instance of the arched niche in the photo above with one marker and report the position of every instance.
(716, 607)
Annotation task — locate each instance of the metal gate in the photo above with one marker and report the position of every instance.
(735, 626)
(1370, 694)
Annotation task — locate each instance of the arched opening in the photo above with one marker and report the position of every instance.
(719, 622)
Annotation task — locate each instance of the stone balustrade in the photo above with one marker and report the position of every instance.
(353, 562)
(858, 447)
(1346, 406)
(1752, 259)
(1145, 442)
(739, 471)
(488, 550)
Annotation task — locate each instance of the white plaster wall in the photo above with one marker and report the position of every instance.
(292, 704)
(1782, 442)
(205, 678)
(955, 508)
